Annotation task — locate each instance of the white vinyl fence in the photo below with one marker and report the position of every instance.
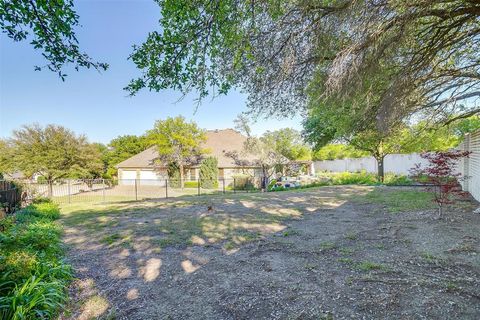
(402, 163)
(470, 167)
(394, 163)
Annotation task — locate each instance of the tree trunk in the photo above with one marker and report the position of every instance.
(380, 168)
(181, 175)
(50, 188)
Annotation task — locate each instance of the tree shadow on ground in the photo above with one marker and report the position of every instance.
(312, 251)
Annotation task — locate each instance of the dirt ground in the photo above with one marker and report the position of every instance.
(325, 253)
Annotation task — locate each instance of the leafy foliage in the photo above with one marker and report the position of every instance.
(338, 151)
(49, 26)
(173, 171)
(33, 276)
(209, 173)
(177, 141)
(379, 62)
(55, 152)
(120, 149)
(289, 143)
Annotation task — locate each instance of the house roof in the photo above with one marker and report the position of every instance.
(219, 143)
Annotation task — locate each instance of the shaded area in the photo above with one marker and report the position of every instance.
(332, 251)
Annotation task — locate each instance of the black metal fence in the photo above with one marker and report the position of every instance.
(10, 196)
(104, 190)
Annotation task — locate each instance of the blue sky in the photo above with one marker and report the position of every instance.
(94, 103)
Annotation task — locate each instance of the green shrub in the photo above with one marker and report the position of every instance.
(354, 178)
(190, 184)
(341, 178)
(173, 171)
(41, 200)
(391, 179)
(272, 184)
(242, 182)
(33, 276)
(209, 173)
(18, 265)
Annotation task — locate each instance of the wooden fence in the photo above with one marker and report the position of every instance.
(10, 196)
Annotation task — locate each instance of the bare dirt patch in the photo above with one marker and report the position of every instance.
(330, 252)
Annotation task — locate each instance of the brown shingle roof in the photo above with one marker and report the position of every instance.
(219, 143)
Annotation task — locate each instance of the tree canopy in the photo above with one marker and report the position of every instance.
(414, 57)
(289, 143)
(122, 148)
(49, 26)
(54, 152)
(177, 141)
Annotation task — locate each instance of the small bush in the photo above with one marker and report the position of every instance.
(242, 182)
(397, 180)
(363, 177)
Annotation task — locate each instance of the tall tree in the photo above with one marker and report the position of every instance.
(5, 158)
(122, 148)
(264, 152)
(338, 151)
(54, 152)
(177, 141)
(289, 143)
(415, 56)
(49, 26)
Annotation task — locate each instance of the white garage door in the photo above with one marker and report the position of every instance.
(128, 177)
(150, 177)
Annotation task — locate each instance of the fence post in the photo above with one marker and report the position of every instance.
(198, 185)
(69, 193)
(234, 187)
(223, 180)
(103, 190)
(166, 188)
(136, 193)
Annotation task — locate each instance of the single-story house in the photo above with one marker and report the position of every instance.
(219, 143)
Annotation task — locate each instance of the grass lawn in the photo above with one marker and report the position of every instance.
(275, 255)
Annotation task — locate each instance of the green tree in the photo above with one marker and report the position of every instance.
(420, 51)
(334, 151)
(178, 142)
(209, 173)
(467, 125)
(263, 151)
(49, 26)
(289, 143)
(122, 148)
(5, 158)
(54, 152)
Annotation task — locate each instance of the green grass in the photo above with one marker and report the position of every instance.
(368, 266)
(351, 236)
(399, 200)
(347, 261)
(325, 246)
(33, 276)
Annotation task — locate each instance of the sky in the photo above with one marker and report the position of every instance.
(94, 103)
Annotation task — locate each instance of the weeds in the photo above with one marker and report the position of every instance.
(368, 265)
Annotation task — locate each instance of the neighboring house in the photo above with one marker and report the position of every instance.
(219, 143)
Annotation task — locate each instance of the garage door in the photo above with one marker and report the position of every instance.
(128, 177)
